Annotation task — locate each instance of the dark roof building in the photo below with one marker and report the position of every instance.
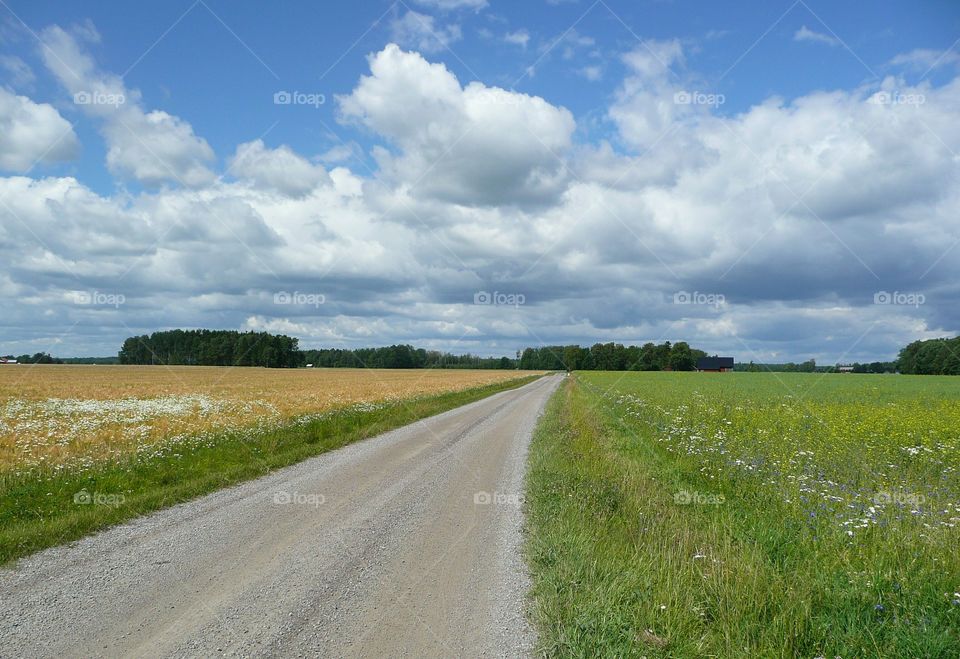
(716, 364)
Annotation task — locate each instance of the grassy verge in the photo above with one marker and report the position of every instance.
(623, 568)
(39, 512)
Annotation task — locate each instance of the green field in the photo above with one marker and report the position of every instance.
(748, 514)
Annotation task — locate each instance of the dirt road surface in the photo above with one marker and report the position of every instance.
(408, 544)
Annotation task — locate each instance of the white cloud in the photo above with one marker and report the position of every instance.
(653, 58)
(150, 146)
(154, 147)
(806, 34)
(19, 72)
(277, 169)
(645, 107)
(421, 32)
(473, 145)
(66, 230)
(517, 38)
(925, 59)
(32, 133)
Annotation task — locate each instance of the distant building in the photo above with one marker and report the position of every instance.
(715, 364)
(844, 369)
(4, 360)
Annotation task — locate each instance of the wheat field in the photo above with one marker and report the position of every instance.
(55, 417)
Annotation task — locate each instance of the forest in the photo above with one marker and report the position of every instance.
(212, 348)
(931, 357)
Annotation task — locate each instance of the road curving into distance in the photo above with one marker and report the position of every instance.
(406, 544)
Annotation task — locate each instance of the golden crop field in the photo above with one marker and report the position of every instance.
(57, 416)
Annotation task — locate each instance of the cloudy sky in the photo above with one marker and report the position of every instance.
(774, 181)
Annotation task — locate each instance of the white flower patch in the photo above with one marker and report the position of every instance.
(54, 425)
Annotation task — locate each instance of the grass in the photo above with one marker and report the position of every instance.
(731, 515)
(39, 511)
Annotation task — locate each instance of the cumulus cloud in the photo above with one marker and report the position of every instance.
(32, 133)
(473, 145)
(152, 147)
(277, 169)
(645, 105)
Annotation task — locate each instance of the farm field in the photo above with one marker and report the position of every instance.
(748, 514)
(85, 447)
(56, 417)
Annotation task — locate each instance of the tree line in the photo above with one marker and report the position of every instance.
(931, 357)
(232, 348)
(613, 357)
(400, 356)
(212, 348)
(810, 366)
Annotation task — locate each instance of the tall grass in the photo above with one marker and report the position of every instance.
(659, 529)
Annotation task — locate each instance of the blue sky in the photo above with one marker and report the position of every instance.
(186, 61)
(595, 158)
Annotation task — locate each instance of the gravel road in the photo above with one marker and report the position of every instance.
(407, 544)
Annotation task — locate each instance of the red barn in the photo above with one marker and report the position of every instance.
(715, 364)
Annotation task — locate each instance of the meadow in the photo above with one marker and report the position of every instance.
(748, 514)
(85, 447)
